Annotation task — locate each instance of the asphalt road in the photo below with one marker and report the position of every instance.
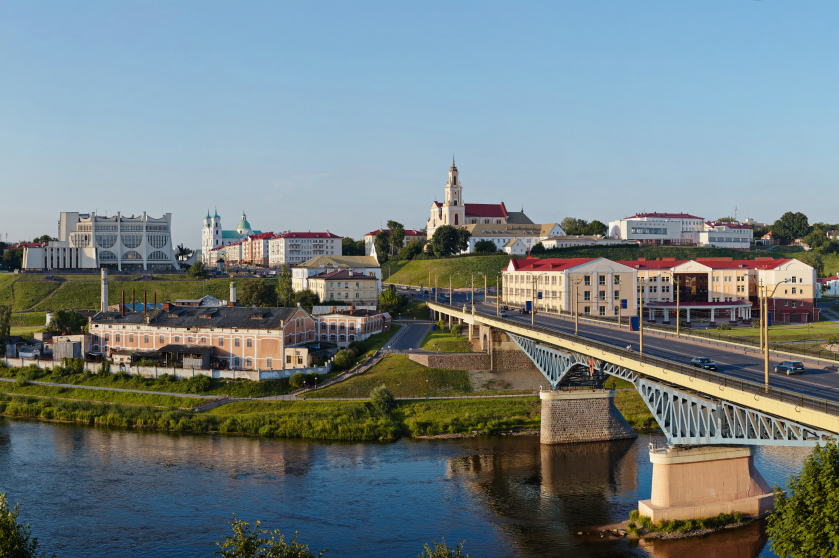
(411, 337)
(817, 380)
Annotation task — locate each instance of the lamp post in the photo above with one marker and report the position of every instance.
(641, 317)
(576, 305)
(534, 297)
(497, 294)
(765, 326)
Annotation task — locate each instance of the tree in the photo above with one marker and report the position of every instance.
(806, 515)
(307, 299)
(411, 250)
(258, 292)
(44, 238)
(250, 543)
(197, 270)
(463, 237)
(572, 225)
(183, 253)
(397, 236)
(67, 321)
(285, 290)
(16, 540)
(538, 248)
(444, 241)
(726, 220)
(350, 247)
(791, 226)
(596, 228)
(343, 360)
(382, 399)
(296, 380)
(5, 323)
(390, 301)
(13, 258)
(485, 247)
(382, 244)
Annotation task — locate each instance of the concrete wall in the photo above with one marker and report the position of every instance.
(154, 371)
(454, 361)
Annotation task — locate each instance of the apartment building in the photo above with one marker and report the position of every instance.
(346, 285)
(594, 286)
(290, 248)
(345, 325)
(360, 265)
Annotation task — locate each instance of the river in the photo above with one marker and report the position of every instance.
(100, 492)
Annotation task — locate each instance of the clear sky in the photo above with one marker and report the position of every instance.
(341, 115)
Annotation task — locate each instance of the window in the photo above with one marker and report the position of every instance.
(131, 335)
(601, 280)
(190, 340)
(786, 303)
(299, 359)
(602, 295)
(249, 343)
(177, 339)
(587, 310)
(288, 359)
(586, 280)
(116, 337)
(793, 290)
(203, 340)
(146, 339)
(617, 280)
(793, 279)
(269, 362)
(617, 295)
(235, 362)
(794, 304)
(586, 295)
(237, 342)
(615, 310)
(602, 310)
(249, 362)
(221, 341)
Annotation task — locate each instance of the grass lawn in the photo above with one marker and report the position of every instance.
(630, 404)
(25, 331)
(458, 269)
(100, 395)
(446, 342)
(404, 378)
(416, 311)
(779, 332)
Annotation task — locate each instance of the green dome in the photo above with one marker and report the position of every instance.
(243, 225)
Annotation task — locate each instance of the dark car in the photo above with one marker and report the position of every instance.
(504, 307)
(704, 362)
(790, 367)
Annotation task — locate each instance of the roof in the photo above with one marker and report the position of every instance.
(510, 230)
(352, 312)
(190, 316)
(235, 234)
(729, 225)
(834, 277)
(341, 261)
(27, 245)
(713, 263)
(186, 349)
(518, 218)
(485, 209)
(343, 274)
(309, 234)
(665, 216)
(512, 242)
(408, 232)
(548, 264)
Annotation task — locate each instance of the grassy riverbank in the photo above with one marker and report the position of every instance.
(631, 406)
(100, 396)
(333, 420)
(446, 342)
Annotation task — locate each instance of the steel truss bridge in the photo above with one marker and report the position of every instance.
(692, 406)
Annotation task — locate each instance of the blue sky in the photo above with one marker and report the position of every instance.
(341, 115)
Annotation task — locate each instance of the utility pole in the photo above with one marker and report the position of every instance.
(497, 295)
(678, 318)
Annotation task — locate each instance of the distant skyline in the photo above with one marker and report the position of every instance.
(342, 115)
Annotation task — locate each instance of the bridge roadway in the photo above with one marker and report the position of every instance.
(817, 380)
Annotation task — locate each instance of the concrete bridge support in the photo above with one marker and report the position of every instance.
(705, 481)
(581, 416)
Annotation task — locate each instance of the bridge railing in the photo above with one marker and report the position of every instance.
(804, 401)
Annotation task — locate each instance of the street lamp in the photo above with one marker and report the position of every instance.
(498, 285)
(764, 324)
(576, 305)
(641, 317)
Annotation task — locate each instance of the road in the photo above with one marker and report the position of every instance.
(411, 337)
(817, 380)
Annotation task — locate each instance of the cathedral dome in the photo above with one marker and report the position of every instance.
(243, 227)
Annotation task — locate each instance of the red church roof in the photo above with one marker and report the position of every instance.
(485, 209)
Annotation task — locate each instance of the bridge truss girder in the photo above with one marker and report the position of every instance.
(686, 418)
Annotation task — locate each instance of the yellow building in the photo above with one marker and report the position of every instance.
(594, 286)
(345, 285)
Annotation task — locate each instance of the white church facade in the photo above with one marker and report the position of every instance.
(213, 236)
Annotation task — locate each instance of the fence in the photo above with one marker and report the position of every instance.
(809, 402)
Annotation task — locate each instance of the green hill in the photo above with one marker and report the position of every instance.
(35, 293)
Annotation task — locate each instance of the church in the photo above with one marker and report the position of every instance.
(455, 212)
(212, 235)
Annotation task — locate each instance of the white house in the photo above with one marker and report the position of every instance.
(569, 241)
(673, 229)
(501, 234)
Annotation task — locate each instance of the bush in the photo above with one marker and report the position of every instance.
(457, 329)
(23, 377)
(440, 550)
(343, 360)
(15, 539)
(106, 367)
(356, 347)
(382, 399)
(296, 381)
(633, 515)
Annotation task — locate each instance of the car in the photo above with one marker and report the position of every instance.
(790, 367)
(703, 362)
(502, 314)
(505, 307)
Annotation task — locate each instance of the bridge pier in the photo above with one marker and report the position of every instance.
(581, 416)
(703, 482)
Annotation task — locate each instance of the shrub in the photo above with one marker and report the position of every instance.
(15, 538)
(440, 550)
(23, 377)
(457, 329)
(343, 360)
(633, 515)
(106, 367)
(356, 347)
(646, 523)
(296, 381)
(382, 399)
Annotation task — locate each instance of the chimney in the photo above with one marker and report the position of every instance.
(133, 300)
(103, 305)
(167, 306)
(155, 301)
(145, 303)
(233, 293)
(122, 306)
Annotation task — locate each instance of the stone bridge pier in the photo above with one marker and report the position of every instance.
(581, 416)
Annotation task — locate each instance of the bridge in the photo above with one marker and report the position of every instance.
(710, 419)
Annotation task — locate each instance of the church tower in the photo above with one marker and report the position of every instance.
(210, 236)
(454, 212)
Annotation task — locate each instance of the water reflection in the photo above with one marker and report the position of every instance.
(746, 542)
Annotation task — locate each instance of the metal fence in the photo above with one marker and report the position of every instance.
(804, 401)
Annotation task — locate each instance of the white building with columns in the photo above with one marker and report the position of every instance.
(91, 241)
